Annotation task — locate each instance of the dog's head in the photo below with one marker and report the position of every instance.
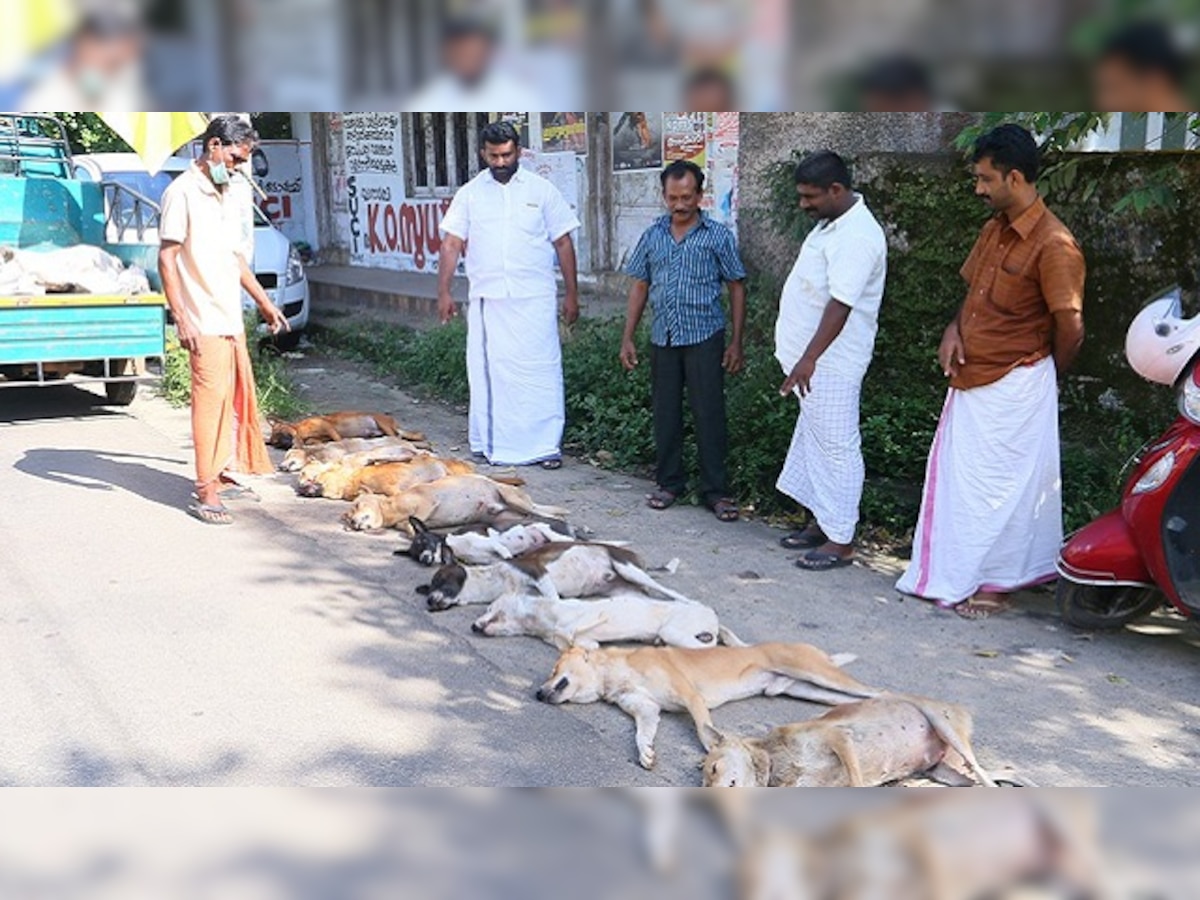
(445, 585)
(311, 480)
(366, 514)
(427, 548)
(283, 434)
(733, 761)
(575, 679)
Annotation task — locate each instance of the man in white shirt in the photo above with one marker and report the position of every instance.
(824, 339)
(471, 77)
(512, 223)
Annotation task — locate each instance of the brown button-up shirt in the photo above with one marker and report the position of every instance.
(1020, 273)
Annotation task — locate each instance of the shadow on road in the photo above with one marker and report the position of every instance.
(103, 470)
(32, 404)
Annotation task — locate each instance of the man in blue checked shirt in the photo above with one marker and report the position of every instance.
(679, 265)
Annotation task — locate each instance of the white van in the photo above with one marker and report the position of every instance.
(277, 265)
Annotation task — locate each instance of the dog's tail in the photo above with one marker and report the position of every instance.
(728, 638)
(510, 480)
(636, 576)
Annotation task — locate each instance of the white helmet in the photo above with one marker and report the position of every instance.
(1160, 342)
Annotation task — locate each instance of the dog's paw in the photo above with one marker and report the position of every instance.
(646, 758)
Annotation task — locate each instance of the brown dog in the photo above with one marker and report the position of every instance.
(644, 681)
(863, 744)
(446, 503)
(335, 427)
(361, 450)
(339, 481)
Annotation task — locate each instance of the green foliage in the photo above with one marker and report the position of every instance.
(272, 126)
(88, 134)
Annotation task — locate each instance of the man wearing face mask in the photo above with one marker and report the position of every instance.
(991, 511)
(514, 223)
(203, 272)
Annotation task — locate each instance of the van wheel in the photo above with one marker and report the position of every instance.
(1097, 608)
(120, 393)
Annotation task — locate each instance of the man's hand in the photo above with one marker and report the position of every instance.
(571, 307)
(628, 354)
(187, 332)
(951, 353)
(275, 319)
(447, 308)
(800, 377)
(734, 358)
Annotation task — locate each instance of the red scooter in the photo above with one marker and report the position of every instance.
(1128, 562)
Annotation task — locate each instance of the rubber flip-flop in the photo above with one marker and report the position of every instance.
(551, 464)
(822, 561)
(234, 492)
(210, 515)
(806, 539)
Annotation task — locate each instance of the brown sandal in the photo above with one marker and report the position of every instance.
(661, 498)
(725, 510)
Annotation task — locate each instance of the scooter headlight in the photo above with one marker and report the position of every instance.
(1156, 475)
(1189, 397)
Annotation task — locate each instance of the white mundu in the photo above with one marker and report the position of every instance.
(514, 360)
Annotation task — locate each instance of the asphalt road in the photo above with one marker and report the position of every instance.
(139, 646)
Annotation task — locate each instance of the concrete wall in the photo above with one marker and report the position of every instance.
(770, 138)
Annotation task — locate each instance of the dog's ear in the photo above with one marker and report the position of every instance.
(418, 526)
(711, 737)
(761, 760)
(424, 589)
(448, 557)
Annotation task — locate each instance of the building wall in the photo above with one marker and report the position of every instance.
(771, 138)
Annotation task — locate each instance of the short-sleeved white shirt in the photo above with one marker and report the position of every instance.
(843, 259)
(201, 219)
(509, 230)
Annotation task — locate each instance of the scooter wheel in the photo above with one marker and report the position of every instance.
(1099, 607)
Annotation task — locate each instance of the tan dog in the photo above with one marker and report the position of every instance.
(936, 845)
(351, 461)
(644, 681)
(365, 449)
(335, 427)
(862, 744)
(446, 503)
(342, 481)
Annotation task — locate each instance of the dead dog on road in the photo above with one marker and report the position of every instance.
(622, 616)
(862, 744)
(644, 681)
(555, 570)
(446, 503)
(360, 450)
(342, 481)
(335, 427)
(481, 544)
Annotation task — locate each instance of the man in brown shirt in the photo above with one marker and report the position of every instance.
(991, 512)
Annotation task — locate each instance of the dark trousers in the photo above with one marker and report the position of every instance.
(698, 368)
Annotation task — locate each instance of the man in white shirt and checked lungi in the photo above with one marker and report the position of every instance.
(824, 340)
(512, 223)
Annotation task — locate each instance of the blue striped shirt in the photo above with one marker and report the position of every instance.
(685, 279)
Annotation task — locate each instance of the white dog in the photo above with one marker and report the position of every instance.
(623, 616)
(479, 545)
(555, 570)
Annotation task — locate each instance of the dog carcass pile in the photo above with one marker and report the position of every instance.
(494, 546)
(81, 269)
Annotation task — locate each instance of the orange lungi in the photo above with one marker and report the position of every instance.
(225, 427)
